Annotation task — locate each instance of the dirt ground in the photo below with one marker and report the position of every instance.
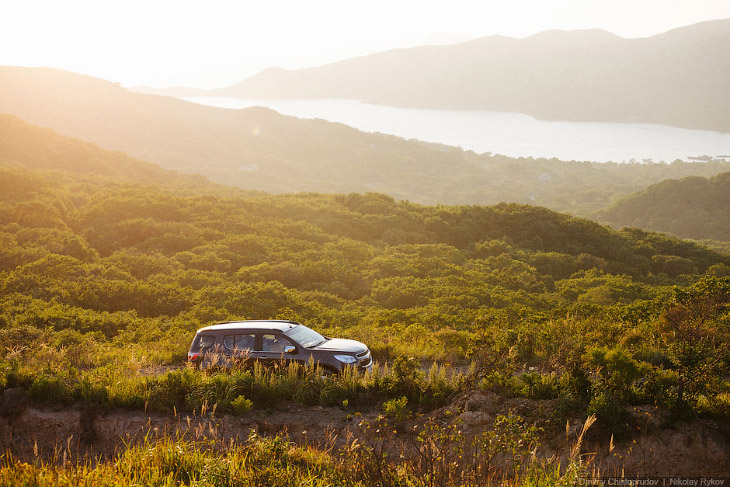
(699, 448)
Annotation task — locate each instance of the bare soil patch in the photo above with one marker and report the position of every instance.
(698, 448)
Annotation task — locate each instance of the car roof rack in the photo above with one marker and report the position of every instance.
(258, 321)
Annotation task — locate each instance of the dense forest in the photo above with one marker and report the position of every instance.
(691, 207)
(108, 265)
(259, 149)
(86, 258)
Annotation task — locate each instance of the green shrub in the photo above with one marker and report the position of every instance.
(616, 371)
(14, 377)
(397, 409)
(538, 386)
(610, 414)
(92, 392)
(241, 405)
(405, 377)
(171, 389)
(50, 389)
(215, 393)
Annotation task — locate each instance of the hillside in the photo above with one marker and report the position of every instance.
(677, 78)
(261, 150)
(691, 207)
(77, 248)
(23, 145)
(253, 148)
(103, 283)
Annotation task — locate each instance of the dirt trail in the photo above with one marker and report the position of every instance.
(696, 449)
(51, 432)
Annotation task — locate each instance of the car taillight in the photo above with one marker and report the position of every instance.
(193, 356)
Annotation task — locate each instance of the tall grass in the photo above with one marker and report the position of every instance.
(177, 461)
(440, 455)
(125, 384)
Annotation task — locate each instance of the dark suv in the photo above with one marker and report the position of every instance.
(270, 340)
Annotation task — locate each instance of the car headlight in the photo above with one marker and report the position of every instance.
(346, 359)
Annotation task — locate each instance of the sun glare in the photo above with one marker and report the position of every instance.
(167, 43)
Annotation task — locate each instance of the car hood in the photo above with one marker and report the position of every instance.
(341, 345)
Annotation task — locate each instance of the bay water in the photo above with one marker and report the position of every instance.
(510, 134)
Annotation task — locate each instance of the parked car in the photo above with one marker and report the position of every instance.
(275, 340)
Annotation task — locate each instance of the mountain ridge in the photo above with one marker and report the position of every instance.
(676, 78)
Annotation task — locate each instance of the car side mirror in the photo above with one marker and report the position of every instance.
(290, 349)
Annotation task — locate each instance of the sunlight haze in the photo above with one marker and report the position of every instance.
(217, 43)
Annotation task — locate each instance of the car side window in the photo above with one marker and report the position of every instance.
(273, 343)
(245, 342)
(239, 343)
(206, 342)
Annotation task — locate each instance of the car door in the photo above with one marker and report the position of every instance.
(240, 347)
(204, 351)
(275, 347)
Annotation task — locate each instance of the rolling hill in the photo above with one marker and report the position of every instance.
(691, 207)
(677, 78)
(260, 149)
(26, 146)
(253, 148)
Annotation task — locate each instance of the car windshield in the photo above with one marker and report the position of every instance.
(305, 337)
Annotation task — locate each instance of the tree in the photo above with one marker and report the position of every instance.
(696, 331)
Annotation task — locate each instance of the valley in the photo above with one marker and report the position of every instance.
(259, 149)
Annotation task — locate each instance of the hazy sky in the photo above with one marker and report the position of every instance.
(214, 43)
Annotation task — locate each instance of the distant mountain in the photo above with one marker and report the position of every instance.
(259, 149)
(691, 207)
(178, 91)
(678, 78)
